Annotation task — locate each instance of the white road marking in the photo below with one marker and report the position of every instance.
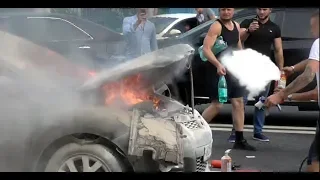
(267, 127)
(268, 131)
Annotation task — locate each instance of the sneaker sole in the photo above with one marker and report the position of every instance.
(257, 139)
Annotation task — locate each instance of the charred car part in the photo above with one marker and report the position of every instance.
(175, 135)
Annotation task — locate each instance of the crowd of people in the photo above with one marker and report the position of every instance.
(259, 34)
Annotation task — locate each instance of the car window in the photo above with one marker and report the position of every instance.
(49, 29)
(184, 25)
(201, 28)
(297, 24)
(161, 23)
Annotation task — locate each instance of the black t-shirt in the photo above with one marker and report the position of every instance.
(261, 39)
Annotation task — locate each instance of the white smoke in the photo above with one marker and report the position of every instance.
(253, 70)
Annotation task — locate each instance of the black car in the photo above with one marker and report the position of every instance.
(296, 37)
(80, 41)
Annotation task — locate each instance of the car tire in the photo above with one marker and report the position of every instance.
(76, 153)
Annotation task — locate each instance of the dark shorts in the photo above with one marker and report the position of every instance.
(314, 149)
(212, 79)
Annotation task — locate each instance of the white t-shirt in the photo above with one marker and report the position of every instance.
(314, 55)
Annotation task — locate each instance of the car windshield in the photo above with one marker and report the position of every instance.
(161, 23)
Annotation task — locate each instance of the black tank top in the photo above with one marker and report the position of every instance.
(231, 37)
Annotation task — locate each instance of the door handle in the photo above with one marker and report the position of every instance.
(84, 47)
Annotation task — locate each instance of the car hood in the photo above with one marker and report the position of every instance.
(158, 66)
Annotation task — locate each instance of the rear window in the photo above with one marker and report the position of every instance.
(296, 24)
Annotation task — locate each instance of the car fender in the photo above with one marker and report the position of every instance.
(109, 123)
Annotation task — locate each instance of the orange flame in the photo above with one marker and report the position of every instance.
(129, 91)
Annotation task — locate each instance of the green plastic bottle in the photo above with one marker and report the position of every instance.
(222, 90)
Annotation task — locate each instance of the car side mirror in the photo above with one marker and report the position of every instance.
(174, 32)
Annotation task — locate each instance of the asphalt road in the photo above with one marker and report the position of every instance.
(284, 152)
(290, 131)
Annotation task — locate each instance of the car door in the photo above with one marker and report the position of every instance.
(60, 38)
(58, 35)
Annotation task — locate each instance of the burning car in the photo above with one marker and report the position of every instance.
(117, 121)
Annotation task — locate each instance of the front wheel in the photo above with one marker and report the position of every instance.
(74, 157)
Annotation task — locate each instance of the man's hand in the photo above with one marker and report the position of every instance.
(277, 89)
(288, 71)
(274, 99)
(253, 26)
(221, 70)
(142, 18)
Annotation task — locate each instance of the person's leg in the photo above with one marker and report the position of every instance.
(212, 80)
(210, 112)
(313, 156)
(259, 118)
(236, 94)
(232, 137)
(312, 162)
(238, 117)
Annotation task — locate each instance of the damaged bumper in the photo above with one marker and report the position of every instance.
(180, 139)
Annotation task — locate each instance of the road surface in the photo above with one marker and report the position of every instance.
(291, 133)
(289, 116)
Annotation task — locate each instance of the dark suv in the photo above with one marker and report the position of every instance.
(296, 37)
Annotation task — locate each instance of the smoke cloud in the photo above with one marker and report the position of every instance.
(253, 70)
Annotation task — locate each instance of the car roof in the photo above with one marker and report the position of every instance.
(26, 14)
(178, 15)
(252, 10)
(93, 28)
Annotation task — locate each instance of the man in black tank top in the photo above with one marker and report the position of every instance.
(229, 30)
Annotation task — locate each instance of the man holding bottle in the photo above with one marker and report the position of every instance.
(310, 68)
(226, 28)
(259, 34)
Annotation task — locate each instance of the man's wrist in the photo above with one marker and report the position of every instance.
(282, 95)
(292, 67)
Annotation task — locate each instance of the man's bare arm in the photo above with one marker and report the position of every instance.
(209, 41)
(243, 34)
(303, 80)
(239, 42)
(301, 65)
(278, 52)
(306, 96)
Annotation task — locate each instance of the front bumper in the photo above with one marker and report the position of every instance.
(180, 138)
(197, 142)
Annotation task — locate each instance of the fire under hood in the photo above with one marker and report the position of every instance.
(158, 66)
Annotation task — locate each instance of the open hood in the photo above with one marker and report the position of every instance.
(158, 66)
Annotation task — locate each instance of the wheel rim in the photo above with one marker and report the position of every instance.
(83, 163)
